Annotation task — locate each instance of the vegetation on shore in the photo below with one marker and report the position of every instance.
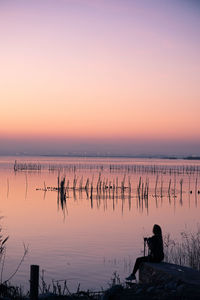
(185, 252)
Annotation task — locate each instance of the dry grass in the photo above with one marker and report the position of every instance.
(185, 252)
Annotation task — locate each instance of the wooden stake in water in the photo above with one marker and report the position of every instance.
(181, 190)
(169, 187)
(156, 185)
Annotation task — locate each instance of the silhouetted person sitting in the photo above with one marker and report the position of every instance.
(155, 245)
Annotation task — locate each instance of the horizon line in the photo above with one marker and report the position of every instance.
(149, 156)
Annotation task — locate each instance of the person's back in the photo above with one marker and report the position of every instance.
(155, 244)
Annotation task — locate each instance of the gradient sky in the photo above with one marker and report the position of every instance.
(107, 76)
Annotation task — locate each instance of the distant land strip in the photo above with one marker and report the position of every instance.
(172, 157)
(123, 156)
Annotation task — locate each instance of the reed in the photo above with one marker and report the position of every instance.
(146, 190)
(181, 190)
(156, 184)
(161, 187)
(113, 188)
(81, 184)
(169, 188)
(185, 252)
(139, 186)
(74, 182)
(196, 185)
(87, 187)
(91, 191)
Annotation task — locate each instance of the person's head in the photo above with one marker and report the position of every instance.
(157, 230)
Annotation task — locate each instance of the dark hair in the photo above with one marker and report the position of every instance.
(157, 230)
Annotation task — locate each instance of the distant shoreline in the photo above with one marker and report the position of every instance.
(107, 156)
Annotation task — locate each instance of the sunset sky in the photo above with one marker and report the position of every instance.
(106, 76)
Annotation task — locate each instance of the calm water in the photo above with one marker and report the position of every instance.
(93, 234)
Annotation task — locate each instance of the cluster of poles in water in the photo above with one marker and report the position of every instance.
(121, 187)
(104, 189)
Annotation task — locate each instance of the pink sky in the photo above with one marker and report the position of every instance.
(100, 72)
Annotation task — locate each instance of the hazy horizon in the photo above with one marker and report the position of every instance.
(99, 147)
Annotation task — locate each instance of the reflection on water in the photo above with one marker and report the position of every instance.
(84, 219)
(101, 190)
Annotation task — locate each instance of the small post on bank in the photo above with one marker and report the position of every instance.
(34, 282)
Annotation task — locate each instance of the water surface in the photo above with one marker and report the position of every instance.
(91, 235)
